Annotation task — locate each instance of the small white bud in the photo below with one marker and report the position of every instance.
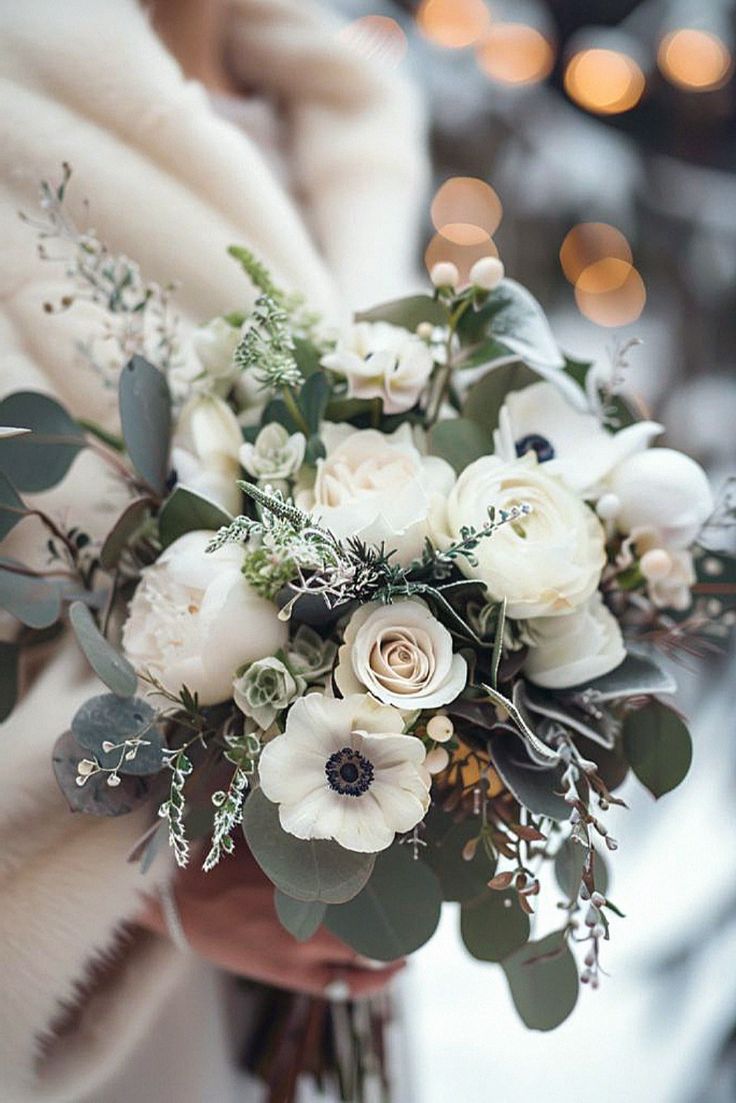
(608, 506)
(107, 746)
(425, 330)
(113, 781)
(86, 767)
(437, 760)
(598, 931)
(440, 728)
(598, 899)
(487, 273)
(81, 781)
(590, 957)
(445, 274)
(655, 564)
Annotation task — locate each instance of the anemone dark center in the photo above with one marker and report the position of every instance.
(349, 772)
(535, 442)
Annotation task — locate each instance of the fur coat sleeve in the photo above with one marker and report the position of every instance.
(170, 185)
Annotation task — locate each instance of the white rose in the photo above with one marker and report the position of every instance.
(206, 450)
(194, 620)
(275, 455)
(574, 445)
(663, 490)
(546, 563)
(402, 655)
(376, 487)
(380, 360)
(215, 345)
(573, 649)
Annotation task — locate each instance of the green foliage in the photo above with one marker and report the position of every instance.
(638, 675)
(33, 600)
(461, 879)
(186, 511)
(486, 397)
(313, 870)
(267, 346)
(493, 926)
(569, 864)
(133, 517)
(408, 312)
(9, 657)
(301, 918)
(313, 398)
(108, 664)
(397, 911)
(12, 506)
(539, 750)
(121, 733)
(657, 746)
(459, 441)
(145, 417)
(537, 787)
(255, 270)
(515, 321)
(40, 459)
(96, 797)
(543, 980)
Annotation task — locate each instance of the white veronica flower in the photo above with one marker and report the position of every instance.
(402, 655)
(569, 650)
(275, 455)
(665, 491)
(205, 450)
(342, 770)
(375, 486)
(574, 445)
(380, 360)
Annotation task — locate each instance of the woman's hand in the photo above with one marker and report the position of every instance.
(228, 917)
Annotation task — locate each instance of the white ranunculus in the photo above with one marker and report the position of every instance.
(665, 491)
(402, 655)
(377, 487)
(275, 455)
(215, 344)
(380, 360)
(194, 620)
(545, 564)
(206, 448)
(574, 445)
(573, 649)
(343, 770)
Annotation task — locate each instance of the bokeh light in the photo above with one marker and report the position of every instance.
(610, 292)
(589, 243)
(603, 81)
(464, 256)
(695, 60)
(514, 53)
(377, 37)
(466, 211)
(453, 23)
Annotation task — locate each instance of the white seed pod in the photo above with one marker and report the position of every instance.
(113, 781)
(437, 760)
(445, 274)
(608, 506)
(487, 273)
(440, 728)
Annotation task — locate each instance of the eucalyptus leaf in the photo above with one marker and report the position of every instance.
(493, 926)
(130, 520)
(461, 879)
(569, 864)
(657, 746)
(543, 980)
(593, 723)
(186, 511)
(12, 506)
(117, 720)
(108, 664)
(301, 918)
(639, 675)
(485, 398)
(307, 356)
(309, 870)
(40, 459)
(539, 788)
(514, 318)
(35, 601)
(459, 441)
(313, 399)
(408, 312)
(9, 657)
(95, 797)
(397, 911)
(145, 417)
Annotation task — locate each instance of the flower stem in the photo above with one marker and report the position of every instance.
(291, 405)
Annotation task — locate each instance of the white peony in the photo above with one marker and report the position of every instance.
(402, 655)
(377, 487)
(194, 620)
(342, 770)
(569, 650)
(545, 564)
(574, 445)
(662, 490)
(275, 455)
(206, 448)
(380, 360)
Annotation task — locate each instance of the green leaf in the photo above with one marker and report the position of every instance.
(313, 399)
(493, 926)
(657, 746)
(514, 318)
(461, 880)
(12, 506)
(397, 911)
(307, 357)
(301, 918)
(486, 397)
(185, 511)
(108, 664)
(9, 657)
(537, 787)
(408, 312)
(112, 719)
(39, 459)
(119, 536)
(543, 979)
(638, 675)
(518, 720)
(95, 797)
(145, 417)
(569, 863)
(459, 441)
(309, 870)
(34, 601)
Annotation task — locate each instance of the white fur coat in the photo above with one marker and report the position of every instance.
(171, 185)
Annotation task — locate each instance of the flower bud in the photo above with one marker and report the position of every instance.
(425, 330)
(445, 274)
(440, 729)
(437, 760)
(655, 564)
(487, 273)
(608, 506)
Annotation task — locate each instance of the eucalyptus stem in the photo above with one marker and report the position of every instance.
(442, 380)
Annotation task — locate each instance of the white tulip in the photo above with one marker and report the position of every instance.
(206, 450)
(380, 360)
(573, 649)
(665, 491)
(194, 620)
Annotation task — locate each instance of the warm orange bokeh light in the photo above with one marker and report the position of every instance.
(466, 211)
(589, 243)
(378, 37)
(441, 248)
(695, 60)
(610, 292)
(453, 23)
(514, 53)
(604, 81)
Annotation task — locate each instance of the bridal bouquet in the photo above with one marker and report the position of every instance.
(391, 602)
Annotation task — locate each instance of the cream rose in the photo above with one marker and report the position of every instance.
(569, 650)
(380, 360)
(402, 655)
(206, 449)
(194, 620)
(545, 564)
(378, 487)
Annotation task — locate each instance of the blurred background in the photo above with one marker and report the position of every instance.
(593, 144)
